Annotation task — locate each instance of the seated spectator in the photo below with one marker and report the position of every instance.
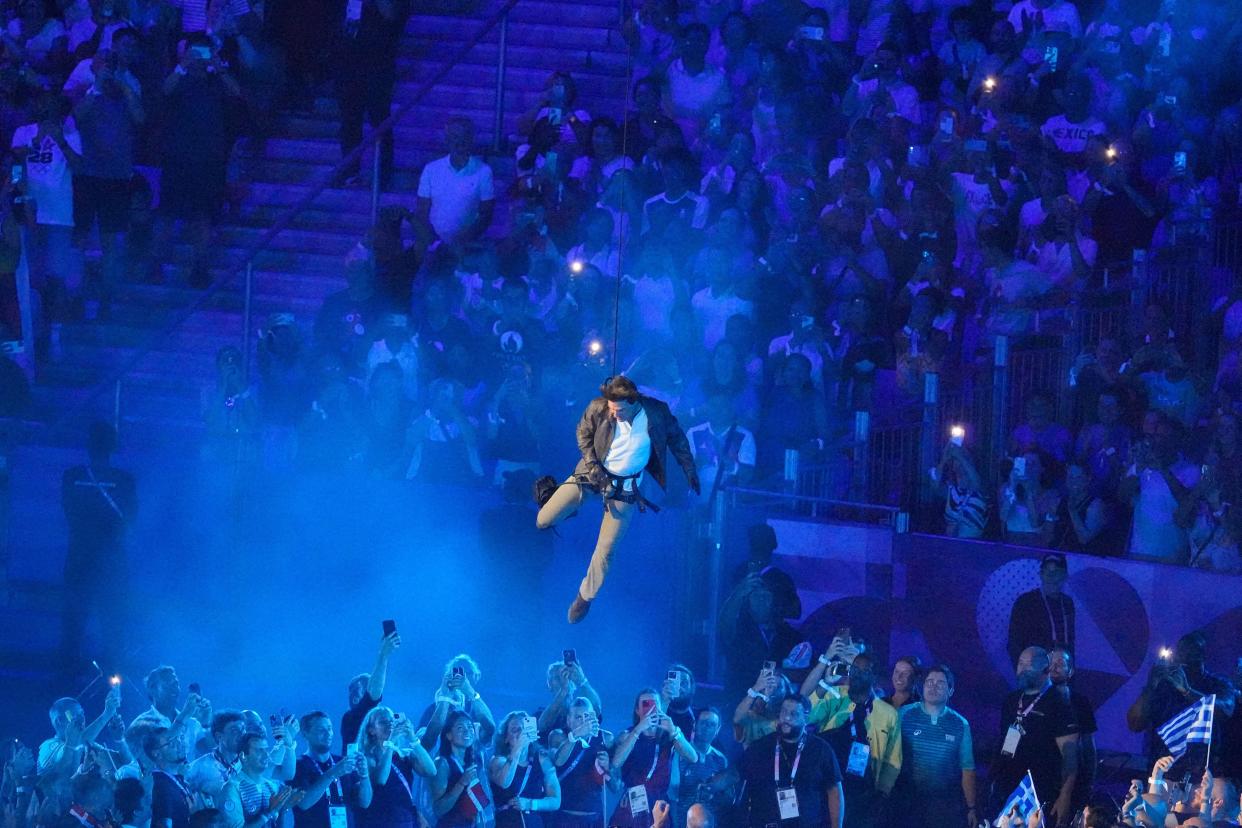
(1033, 214)
(554, 129)
(1027, 16)
(455, 195)
(724, 451)
(1072, 131)
(794, 417)
(1099, 372)
(35, 38)
(920, 346)
(1027, 505)
(395, 342)
(1159, 347)
(597, 249)
(1091, 521)
(966, 505)
(512, 425)
(1172, 390)
(879, 89)
(1040, 432)
(677, 212)
(962, 53)
(386, 424)
(595, 169)
(647, 121)
(727, 376)
(694, 90)
(737, 54)
(1155, 483)
(443, 443)
(1214, 527)
(1103, 446)
(347, 320)
(720, 299)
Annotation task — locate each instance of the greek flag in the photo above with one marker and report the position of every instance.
(1022, 803)
(1192, 725)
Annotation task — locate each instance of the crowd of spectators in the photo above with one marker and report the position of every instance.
(813, 742)
(805, 211)
(123, 118)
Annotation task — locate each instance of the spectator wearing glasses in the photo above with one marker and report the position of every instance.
(938, 782)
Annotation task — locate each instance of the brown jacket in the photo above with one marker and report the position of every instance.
(596, 427)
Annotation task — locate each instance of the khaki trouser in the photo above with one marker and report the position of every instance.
(566, 500)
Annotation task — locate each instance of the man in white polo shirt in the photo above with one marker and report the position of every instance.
(621, 435)
(455, 195)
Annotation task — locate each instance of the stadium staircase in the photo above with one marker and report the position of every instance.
(158, 399)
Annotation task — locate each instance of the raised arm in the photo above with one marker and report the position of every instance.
(379, 675)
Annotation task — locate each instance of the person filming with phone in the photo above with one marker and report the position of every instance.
(332, 786)
(522, 774)
(460, 798)
(395, 757)
(584, 767)
(646, 754)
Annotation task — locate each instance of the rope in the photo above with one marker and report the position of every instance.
(621, 237)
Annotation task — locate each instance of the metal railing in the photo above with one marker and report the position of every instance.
(246, 266)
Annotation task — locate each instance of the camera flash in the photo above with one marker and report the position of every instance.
(1110, 153)
(595, 347)
(576, 266)
(114, 681)
(989, 83)
(957, 431)
(1166, 653)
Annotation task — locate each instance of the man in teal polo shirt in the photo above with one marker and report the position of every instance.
(938, 761)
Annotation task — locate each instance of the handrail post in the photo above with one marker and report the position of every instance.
(862, 443)
(715, 576)
(930, 437)
(1000, 399)
(245, 336)
(376, 152)
(116, 408)
(499, 118)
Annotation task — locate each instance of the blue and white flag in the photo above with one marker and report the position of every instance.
(1192, 726)
(1022, 803)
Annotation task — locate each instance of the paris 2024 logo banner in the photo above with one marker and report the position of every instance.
(948, 600)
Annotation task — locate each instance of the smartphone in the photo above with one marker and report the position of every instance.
(570, 657)
(17, 174)
(673, 675)
(530, 727)
(390, 627)
(957, 435)
(946, 124)
(1019, 466)
(811, 32)
(1051, 54)
(351, 748)
(1169, 100)
(458, 671)
(195, 689)
(201, 52)
(1179, 162)
(645, 707)
(769, 667)
(916, 156)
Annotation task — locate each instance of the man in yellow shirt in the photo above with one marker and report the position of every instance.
(865, 734)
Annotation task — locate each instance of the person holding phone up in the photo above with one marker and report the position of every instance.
(460, 797)
(584, 767)
(332, 786)
(394, 757)
(646, 754)
(522, 774)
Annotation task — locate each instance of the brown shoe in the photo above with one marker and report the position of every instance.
(578, 609)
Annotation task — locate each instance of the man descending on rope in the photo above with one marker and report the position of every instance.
(621, 435)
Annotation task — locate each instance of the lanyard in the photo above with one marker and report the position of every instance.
(335, 789)
(226, 768)
(91, 473)
(401, 779)
(776, 761)
(181, 786)
(655, 759)
(1022, 714)
(1052, 626)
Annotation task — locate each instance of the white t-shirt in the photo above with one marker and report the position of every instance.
(456, 195)
(654, 299)
(1056, 261)
(1155, 535)
(631, 446)
(84, 30)
(1061, 16)
(48, 178)
(971, 199)
(695, 96)
(712, 312)
(1069, 136)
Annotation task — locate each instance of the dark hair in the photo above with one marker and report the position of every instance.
(127, 798)
(446, 746)
(746, 24)
(308, 718)
(944, 670)
(646, 691)
(223, 719)
(206, 818)
(619, 389)
(801, 700)
(248, 740)
(154, 740)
